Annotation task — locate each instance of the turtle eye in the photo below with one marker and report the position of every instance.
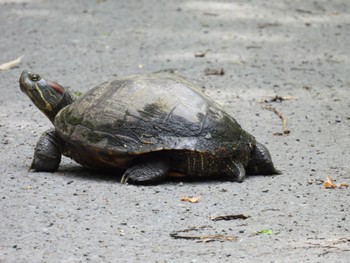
(34, 77)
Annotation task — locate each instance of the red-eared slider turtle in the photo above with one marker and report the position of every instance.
(150, 126)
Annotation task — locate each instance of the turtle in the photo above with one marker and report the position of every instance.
(146, 127)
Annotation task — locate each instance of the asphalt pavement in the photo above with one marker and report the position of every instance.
(264, 61)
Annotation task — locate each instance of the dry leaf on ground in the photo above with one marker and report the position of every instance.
(328, 183)
(11, 64)
(190, 199)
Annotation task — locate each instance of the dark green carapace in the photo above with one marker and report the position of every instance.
(151, 126)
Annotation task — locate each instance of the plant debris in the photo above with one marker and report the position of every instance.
(332, 242)
(201, 54)
(303, 11)
(11, 64)
(229, 217)
(263, 232)
(285, 130)
(343, 185)
(28, 187)
(329, 184)
(218, 72)
(210, 14)
(205, 238)
(167, 70)
(265, 25)
(275, 98)
(201, 238)
(340, 244)
(190, 199)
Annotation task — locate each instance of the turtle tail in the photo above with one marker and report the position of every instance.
(260, 162)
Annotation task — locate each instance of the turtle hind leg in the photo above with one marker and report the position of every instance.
(234, 170)
(260, 162)
(146, 171)
(47, 153)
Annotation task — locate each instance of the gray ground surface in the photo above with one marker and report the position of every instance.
(287, 48)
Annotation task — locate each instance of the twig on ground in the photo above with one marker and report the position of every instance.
(275, 98)
(336, 244)
(229, 217)
(210, 71)
(200, 238)
(285, 130)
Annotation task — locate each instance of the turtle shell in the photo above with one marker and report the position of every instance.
(146, 113)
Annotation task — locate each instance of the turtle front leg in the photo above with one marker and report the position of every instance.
(261, 162)
(146, 171)
(47, 153)
(234, 170)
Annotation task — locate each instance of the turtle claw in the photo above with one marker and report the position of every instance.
(31, 168)
(124, 179)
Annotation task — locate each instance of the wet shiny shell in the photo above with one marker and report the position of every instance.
(146, 113)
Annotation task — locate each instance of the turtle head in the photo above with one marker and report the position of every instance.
(49, 97)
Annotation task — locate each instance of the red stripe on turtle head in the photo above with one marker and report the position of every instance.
(57, 87)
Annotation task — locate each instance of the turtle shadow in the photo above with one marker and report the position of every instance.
(91, 174)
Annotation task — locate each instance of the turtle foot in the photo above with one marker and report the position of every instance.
(235, 171)
(47, 155)
(148, 171)
(261, 162)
